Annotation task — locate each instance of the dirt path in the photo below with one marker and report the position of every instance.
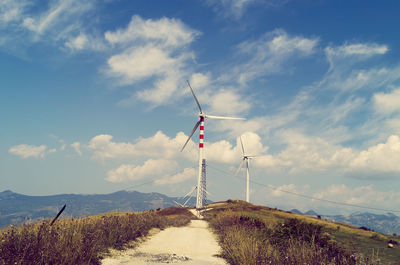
(192, 244)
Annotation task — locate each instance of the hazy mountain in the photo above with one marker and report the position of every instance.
(384, 223)
(295, 211)
(311, 213)
(16, 208)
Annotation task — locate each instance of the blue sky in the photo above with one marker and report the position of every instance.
(94, 98)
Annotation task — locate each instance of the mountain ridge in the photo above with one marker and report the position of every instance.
(387, 223)
(16, 208)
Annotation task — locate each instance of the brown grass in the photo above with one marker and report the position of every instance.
(82, 240)
(259, 235)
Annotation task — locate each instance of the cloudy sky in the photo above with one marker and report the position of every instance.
(94, 98)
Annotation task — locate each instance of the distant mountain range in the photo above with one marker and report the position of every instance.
(16, 208)
(384, 223)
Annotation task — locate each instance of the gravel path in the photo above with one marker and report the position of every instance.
(192, 244)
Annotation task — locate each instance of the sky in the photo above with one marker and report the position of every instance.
(94, 99)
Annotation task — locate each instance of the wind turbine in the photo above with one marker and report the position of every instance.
(245, 159)
(202, 117)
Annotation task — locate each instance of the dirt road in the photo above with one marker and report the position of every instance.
(192, 244)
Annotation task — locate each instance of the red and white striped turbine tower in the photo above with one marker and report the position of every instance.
(202, 116)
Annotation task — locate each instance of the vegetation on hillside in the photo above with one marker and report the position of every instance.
(251, 235)
(81, 240)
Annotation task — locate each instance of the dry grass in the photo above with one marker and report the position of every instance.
(82, 240)
(259, 235)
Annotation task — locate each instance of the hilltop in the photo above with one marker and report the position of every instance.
(251, 234)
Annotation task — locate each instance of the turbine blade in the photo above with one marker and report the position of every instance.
(239, 168)
(241, 143)
(208, 193)
(188, 195)
(191, 134)
(179, 204)
(195, 98)
(223, 118)
(190, 192)
(188, 199)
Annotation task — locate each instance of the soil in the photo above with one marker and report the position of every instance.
(192, 244)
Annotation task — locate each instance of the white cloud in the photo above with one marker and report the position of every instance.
(11, 11)
(348, 80)
(215, 98)
(335, 108)
(60, 141)
(200, 80)
(304, 154)
(150, 168)
(77, 147)
(77, 43)
(236, 8)
(154, 50)
(362, 195)
(345, 56)
(52, 23)
(163, 91)
(282, 44)
(84, 41)
(387, 102)
(270, 52)
(140, 63)
(383, 157)
(393, 125)
(231, 8)
(157, 146)
(284, 189)
(362, 50)
(53, 150)
(103, 148)
(58, 14)
(227, 102)
(224, 152)
(187, 173)
(160, 146)
(308, 154)
(164, 32)
(25, 151)
(367, 196)
(301, 154)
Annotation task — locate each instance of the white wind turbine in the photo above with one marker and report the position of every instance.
(245, 159)
(202, 116)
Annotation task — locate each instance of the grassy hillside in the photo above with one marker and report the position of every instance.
(81, 240)
(248, 235)
(260, 235)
